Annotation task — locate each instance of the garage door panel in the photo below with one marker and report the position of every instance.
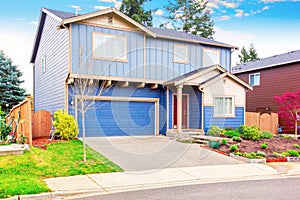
(119, 118)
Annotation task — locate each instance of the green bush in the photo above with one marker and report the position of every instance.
(264, 145)
(65, 125)
(232, 133)
(224, 141)
(236, 138)
(292, 153)
(233, 147)
(296, 146)
(4, 130)
(249, 132)
(266, 135)
(214, 131)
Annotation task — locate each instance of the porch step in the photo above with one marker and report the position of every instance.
(186, 133)
(204, 139)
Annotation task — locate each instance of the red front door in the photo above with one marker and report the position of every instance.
(184, 113)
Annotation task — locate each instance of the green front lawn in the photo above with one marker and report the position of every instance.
(23, 174)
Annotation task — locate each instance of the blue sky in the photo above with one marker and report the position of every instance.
(273, 26)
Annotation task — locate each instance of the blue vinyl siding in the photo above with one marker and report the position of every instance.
(98, 112)
(82, 41)
(195, 108)
(49, 87)
(234, 122)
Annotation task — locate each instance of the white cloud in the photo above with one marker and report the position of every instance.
(224, 11)
(20, 19)
(273, 1)
(229, 4)
(224, 18)
(246, 14)
(159, 12)
(239, 13)
(106, 1)
(34, 23)
(101, 7)
(212, 5)
(266, 8)
(75, 7)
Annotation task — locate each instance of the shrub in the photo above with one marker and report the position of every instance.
(264, 145)
(293, 153)
(296, 146)
(266, 135)
(232, 133)
(65, 125)
(249, 132)
(214, 131)
(233, 147)
(4, 130)
(224, 141)
(236, 138)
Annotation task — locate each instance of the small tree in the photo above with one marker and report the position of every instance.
(289, 108)
(190, 16)
(85, 91)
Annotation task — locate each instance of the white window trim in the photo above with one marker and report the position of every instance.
(253, 74)
(225, 115)
(183, 60)
(211, 50)
(43, 60)
(106, 58)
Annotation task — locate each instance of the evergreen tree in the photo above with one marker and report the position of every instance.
(247, 56)
(10, 92)
(252, 53)
(134, 9)
(190, 16)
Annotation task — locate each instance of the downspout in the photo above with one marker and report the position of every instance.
(167, 110)
(202, 107)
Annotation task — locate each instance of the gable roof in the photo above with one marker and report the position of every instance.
(66, 18)
(273, 61)
(201, 71)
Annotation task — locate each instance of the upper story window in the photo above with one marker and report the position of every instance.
(180, 53)
(254, 79)
(224, 106)
(43, 64)
(109, 47)
(210, 57)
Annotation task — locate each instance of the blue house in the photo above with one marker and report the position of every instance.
(162, 80)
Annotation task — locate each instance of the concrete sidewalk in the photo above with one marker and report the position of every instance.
(86, 185)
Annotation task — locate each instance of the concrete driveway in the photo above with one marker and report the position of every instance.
(155, 152)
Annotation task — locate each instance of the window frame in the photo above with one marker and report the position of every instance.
(43, 64)
(253, 74)
(94, 34)
(226, 115)
(184, 60)
(211, 50)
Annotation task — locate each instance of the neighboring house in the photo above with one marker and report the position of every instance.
(269, 77)
(167, 80)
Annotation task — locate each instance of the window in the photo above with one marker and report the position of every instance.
(109, 47)
(224, 106)
(43, 64)
(210, 57)
(180, 53)
(254, 79)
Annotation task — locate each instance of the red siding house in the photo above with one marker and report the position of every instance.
(271, 76)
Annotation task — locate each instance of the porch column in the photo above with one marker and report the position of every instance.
(179, 108)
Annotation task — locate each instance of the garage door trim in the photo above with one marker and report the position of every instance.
(124, 99)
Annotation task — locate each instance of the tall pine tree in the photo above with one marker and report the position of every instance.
(10, 92)
(134, 9)
(190, 16)
(248, 55)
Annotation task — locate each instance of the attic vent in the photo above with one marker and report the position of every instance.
(110, 19)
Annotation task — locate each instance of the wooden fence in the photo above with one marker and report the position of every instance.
(20, 118)
(265, 121)
(24, 121)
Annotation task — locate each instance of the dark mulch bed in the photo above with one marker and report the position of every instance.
(276, 144)
(42, 142)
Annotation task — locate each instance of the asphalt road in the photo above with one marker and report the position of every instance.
(283, 189)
